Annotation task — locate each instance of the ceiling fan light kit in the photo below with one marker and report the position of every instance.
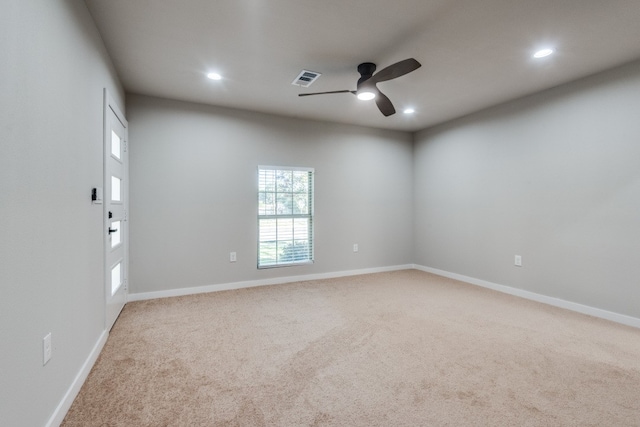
(366, 95)
(366, 88)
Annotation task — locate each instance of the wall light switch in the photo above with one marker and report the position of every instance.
(232, 257)
(355, 247)
(96, 195)
(518, 261)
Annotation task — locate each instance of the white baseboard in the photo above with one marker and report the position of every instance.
(64, 405)
(557, 302)
(262, 282)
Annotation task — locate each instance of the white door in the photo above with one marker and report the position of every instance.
(116, 201)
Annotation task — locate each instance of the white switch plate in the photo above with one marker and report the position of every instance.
(355, 247)
(96, 196)
(518, 261)
(46, 349)
(232, 257)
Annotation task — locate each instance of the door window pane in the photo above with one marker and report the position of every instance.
(115, 189)
(116, 238)
(115, 145)
(116, 278)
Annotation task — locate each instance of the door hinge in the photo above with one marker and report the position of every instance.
(125, 215)
(125, 143)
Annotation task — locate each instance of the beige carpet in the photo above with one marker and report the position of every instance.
(405, 348)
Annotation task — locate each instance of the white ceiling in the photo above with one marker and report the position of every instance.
(474, 53)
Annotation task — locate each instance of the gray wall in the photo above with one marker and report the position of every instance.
(194, 193)
(554, 177)
(53, 72)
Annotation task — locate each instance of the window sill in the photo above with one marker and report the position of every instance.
(291, 264)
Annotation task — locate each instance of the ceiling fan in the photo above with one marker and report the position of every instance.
(366, 87)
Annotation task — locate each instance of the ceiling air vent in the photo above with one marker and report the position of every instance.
(305, 78)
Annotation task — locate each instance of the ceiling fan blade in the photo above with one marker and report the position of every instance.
(325, 93)
(396, 70)
(384, 104)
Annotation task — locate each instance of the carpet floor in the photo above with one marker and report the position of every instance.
(403, 348)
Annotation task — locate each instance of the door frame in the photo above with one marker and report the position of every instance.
(110, 105)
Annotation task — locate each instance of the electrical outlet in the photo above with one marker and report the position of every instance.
(46, 349)
(518, 261)
(355, 247)
(232, 257)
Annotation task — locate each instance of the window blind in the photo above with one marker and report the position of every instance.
(285, 216)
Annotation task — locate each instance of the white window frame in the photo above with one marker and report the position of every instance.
(266, 214)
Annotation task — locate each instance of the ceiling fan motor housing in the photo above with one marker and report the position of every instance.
(366, 70)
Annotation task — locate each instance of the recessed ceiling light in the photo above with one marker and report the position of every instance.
(366, 96)
(542, 53)
(409, 111)
(214, 76)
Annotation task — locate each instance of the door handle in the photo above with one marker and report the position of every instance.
(112, 230)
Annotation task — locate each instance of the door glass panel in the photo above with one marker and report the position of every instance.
(115, 189)
(115, 145)
(116, 238)
(116, 278)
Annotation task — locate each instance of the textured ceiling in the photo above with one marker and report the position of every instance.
(474, 53)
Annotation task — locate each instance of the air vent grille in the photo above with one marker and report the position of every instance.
(305, 78)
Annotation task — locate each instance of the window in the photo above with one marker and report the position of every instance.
(285, 216)
(116, 278)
